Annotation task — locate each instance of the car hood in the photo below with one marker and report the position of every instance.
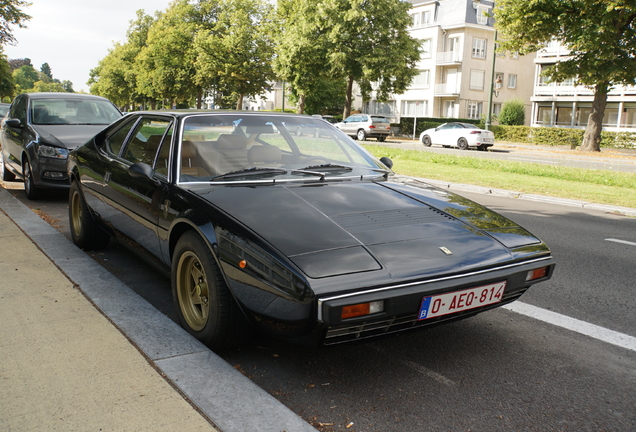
(66, 136)
(402, 226)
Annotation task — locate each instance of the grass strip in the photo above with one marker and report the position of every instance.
(597, 186)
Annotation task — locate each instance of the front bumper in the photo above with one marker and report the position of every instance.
(402, 302)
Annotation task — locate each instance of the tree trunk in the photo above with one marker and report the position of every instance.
(592, 137)
(239, 103)
(199, 97)
(348, 98)
(301, 104)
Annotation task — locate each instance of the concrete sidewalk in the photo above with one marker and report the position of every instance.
(63, 365)
(80, 351)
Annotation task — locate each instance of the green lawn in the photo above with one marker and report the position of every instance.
(602, 187)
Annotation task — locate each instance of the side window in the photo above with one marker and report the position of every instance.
(145, 139)
(19, 109)
(163, 158)
(115, 141)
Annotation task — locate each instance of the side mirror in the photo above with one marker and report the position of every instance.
(386, 161)
(142, 171)
(14, 123)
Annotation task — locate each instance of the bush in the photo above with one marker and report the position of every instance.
(513, 113)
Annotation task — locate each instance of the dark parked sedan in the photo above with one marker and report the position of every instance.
(307, 237)
(39, 131)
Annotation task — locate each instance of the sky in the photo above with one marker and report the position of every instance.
(72, 36)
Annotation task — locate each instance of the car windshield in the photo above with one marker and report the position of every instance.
(235, 147)
(468, 126)
(73, 112)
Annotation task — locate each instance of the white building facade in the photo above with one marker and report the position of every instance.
(566, 104)
(456, 65)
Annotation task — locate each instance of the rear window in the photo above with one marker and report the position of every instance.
(379, 119)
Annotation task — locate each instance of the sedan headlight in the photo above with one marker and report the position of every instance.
(52, 152)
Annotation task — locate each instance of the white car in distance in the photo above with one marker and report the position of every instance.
(460, 135)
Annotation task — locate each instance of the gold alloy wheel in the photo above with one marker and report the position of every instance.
(76, 213)
(192, 290)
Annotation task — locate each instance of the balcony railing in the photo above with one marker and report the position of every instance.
(446, 89)
(449, 57)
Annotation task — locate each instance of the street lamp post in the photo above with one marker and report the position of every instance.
(492, 84)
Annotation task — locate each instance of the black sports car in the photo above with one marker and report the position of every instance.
(306, 237)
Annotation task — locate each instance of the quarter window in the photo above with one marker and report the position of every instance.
(479, 48)
(115, 141)
(145, 140)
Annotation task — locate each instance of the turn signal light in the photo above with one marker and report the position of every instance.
(537, 274)
(362, 309)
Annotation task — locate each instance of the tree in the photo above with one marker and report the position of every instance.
(513, 113)
(116, 76)
(46, 70)
(25, 77)
(11, 15)
(165, 67)
(301, 50)
(237, 50)
(368, 42)
(599, 34)
(18, 63)
(7, 85)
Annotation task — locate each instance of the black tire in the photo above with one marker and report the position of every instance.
(31, 190)
(462, 144)
(426, 140)
(381, 139)
(483, 148)
(5, 174)
(361, 135)
(85, 232)
(205, 307)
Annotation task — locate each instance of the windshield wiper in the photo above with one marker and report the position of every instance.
(249, 172)
(327, 167)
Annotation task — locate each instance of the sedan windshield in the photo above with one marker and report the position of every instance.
(73, 112)
(232, 147)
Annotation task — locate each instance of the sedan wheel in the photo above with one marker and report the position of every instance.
(5, 175)
(362, 135)
(205, 306)
(84, 230)
(462, 144)
(32, 192)
(426, 140)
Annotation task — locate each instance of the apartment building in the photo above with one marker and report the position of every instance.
(456, 66)
(566, 104)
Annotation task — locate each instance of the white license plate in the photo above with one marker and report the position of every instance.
(444, 304)
(488, 140)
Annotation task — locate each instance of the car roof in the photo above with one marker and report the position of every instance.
(62, 95)
(189, 112)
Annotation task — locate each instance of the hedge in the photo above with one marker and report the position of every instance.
(525, 134)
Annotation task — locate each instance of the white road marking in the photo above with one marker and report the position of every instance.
(429, 373)
(573, 324)
(621, 241)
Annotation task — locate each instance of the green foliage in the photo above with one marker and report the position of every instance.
(7, 84)
(513, 113)
(25, 77)
(46, 70)
(560, 136)
(599, 35)
(11, 15)
(237, 50)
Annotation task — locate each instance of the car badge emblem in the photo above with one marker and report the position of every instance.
(446, 250)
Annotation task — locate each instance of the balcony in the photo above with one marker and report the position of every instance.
(449, 57)
(446, 90)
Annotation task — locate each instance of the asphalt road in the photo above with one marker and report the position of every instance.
(499, 371)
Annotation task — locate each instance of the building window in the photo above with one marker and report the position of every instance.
(496, 108)
(383, 108)
(482, 15)
(479, 48)
(425, 49)
(477, 79)
(512, 81)
(474, 110)
(422, 80)
(421, 19)
(414, 109)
